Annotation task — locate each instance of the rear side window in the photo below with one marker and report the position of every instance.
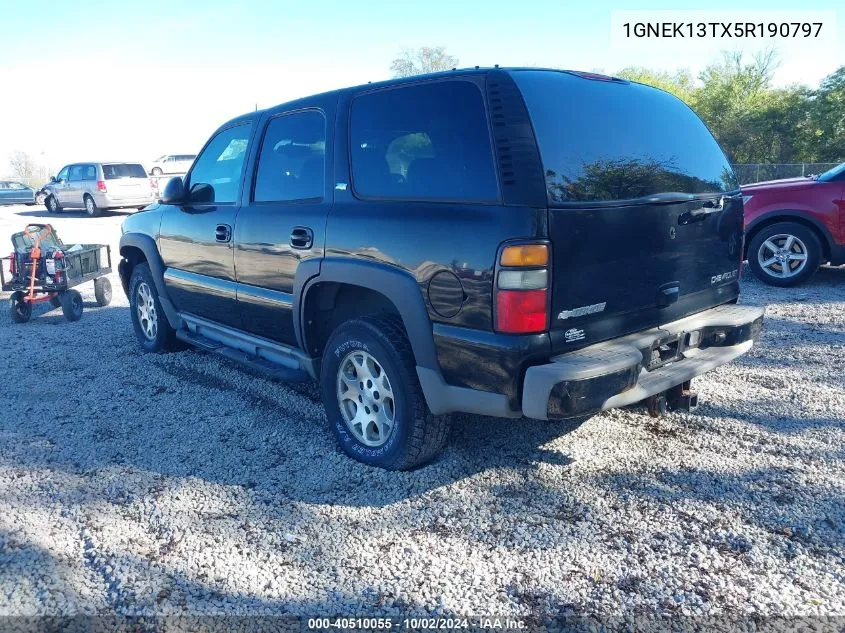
(123, 170)
(292, 163)
(216, 174)
(425, 141)
(603, 141)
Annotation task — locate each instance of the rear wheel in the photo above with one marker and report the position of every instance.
(19, 309)
(784, 254)
(373, 399)
(91, 207)
(71, 302)
(52, 204)
(102, 291)
(152, 329)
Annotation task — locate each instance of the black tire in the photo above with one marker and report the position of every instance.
(19, 310)
(416, 436)
(102, 291)
(157, 172)
(91, 207)
(71, 302)
(52, 204)
(164, 337)
(54, 301)
(804, 239)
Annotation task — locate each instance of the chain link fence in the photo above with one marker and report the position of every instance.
(757, 172)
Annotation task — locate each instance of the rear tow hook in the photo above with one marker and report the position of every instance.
(657, 405)
(680, 397)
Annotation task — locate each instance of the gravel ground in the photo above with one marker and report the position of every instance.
(179, 483)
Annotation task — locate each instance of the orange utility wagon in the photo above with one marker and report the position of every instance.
(43, 268)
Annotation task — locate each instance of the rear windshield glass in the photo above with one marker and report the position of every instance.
(607, 140)
(123, 170)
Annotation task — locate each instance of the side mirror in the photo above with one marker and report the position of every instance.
(174, 191)
(53, 180)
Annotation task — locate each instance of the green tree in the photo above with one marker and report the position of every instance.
(826, 120)
(680, 83)
(422, 60)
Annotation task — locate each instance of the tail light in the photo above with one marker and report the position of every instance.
(522, 289)
(101, 186)
(13, 265)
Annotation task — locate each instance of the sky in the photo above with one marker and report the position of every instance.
(134, 80)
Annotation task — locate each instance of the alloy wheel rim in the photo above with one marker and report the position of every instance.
(146, 310)
(782, 256)
(89, 206)
(365, 397)
(52, 202)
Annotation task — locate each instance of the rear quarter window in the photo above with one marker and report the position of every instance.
(427, 141)
(606, 141)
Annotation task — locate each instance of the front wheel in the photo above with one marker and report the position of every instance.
(52, 204)
(784, 254)
(157, 171)
(152, 329)
(71, 302)
(19, 308)
(373, 399)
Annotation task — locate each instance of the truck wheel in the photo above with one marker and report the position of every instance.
(52, 204)
(102, 291)
(148, 319)
(91, 207)
(373, 399)
(784, 254)
(71, 302)
(19, 309)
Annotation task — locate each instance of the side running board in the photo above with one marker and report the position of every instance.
(260, 355)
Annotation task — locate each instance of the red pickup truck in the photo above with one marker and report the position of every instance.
(793, 226)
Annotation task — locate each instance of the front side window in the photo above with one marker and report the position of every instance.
(608, 141)
(425, 141)
(292, 164)
(16, 186)
(217, 172)
(62, 177)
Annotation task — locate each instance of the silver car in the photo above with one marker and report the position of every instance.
(96, 187)
(172, 164)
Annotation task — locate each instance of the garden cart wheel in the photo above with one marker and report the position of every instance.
(19, 308)
(102, 291)
(71, 305)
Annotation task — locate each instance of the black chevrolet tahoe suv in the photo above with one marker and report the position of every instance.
(505, 242)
